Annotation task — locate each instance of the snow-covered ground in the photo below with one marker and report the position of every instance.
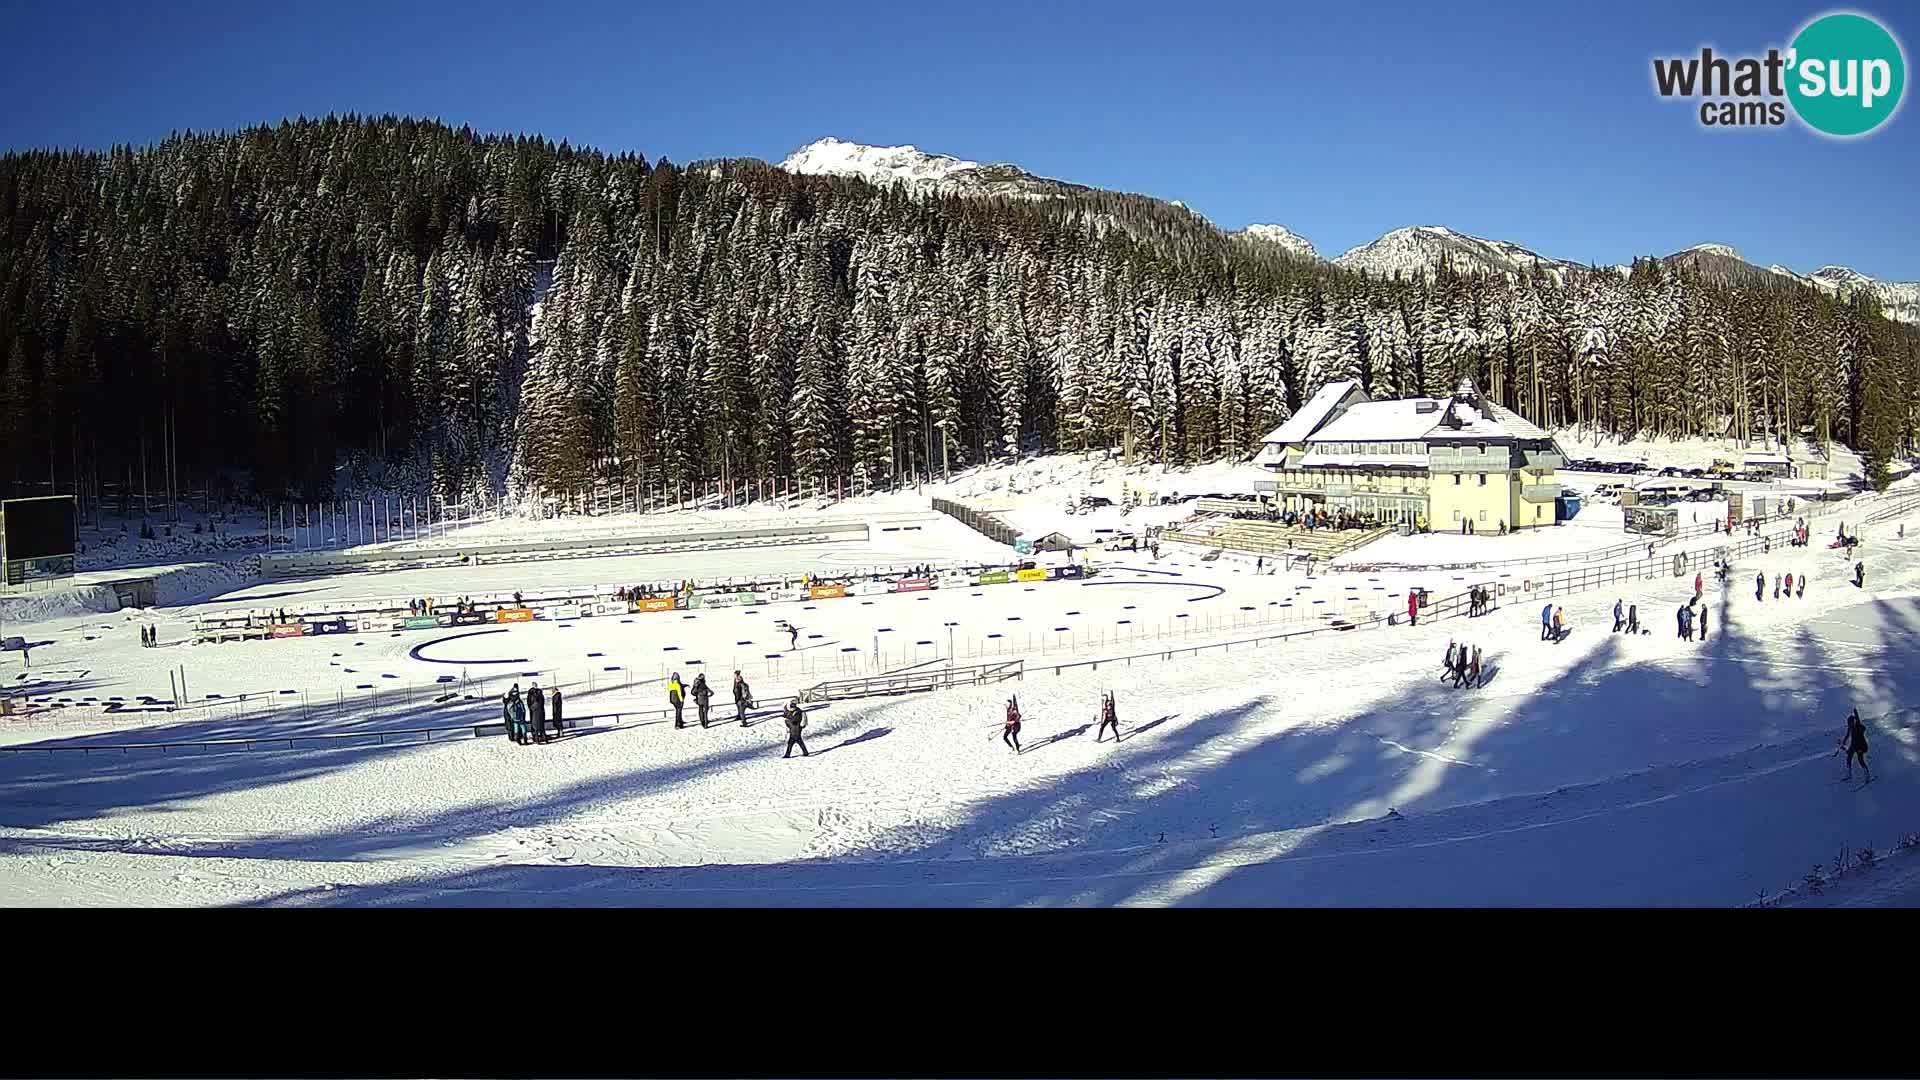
(1601, 770)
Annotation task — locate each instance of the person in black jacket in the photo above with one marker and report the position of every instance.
(1855, 743)
(742, 697)
(702, 696)
(1109, 718)
(1633, 618)
(553, 709)
(537, 712)
(796, 720)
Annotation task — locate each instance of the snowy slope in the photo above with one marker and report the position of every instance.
(1281, 237)
(1420, 249)
(920, 170)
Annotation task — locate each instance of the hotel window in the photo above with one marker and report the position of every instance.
(1483, 479)
(1483, 515)
(1456, 479)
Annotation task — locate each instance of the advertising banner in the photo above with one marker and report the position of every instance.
(912, 585)
(609, 608)
(869, 588)
(469, 618)
(286, 630)
(513, 614)
(952, 579)
(993, 577)
(420, 622)
(783, 595)
(827, 592)
(656, 603)
(567, 611)
(1068, 571)
(713, 600)
(339, 626)
(1035, 574)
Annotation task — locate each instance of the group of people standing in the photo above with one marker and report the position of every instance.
(1782, 586)
(528, 718)
(702, 694)
(149, 636)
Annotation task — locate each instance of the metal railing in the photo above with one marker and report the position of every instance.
(914, 682)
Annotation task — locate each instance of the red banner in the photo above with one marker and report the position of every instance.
(293, 629)
(912, 585)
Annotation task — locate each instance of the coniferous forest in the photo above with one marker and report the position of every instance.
(298, 309)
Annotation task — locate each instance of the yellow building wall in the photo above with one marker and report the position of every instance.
(1488, 506)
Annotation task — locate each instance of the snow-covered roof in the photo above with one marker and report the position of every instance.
(1766, 457)
(1312, 414)
(1379, 421)
(1514, 424)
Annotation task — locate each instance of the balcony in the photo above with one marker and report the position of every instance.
(1445, 461)
(1544, 459)
(1540, 493)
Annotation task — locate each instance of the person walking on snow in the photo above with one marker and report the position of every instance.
(1699, 584)
(1109, 718)
(1860, 575)
(676, 697)
(1803, 586)
(1619, 615)
(553, 710)
(1703, 622)
(702, 696)
(1760, 585)
(537, 713)
(1559, 624)
(1680, 621)
(1776, 586)
(1546, 621)
(1855, 744)
(517, 716)
(1010, 730)
(1633, 618)
(1413, 608)
(1789, 581)
(1473, 669)
(796, 719)
(1447, 667)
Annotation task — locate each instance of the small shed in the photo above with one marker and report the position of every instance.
(1652, 520)
(1054, 541)
(1767, 463)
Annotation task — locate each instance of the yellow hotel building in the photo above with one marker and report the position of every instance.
(1433, 462)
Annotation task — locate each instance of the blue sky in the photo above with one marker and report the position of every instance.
(1531, 122)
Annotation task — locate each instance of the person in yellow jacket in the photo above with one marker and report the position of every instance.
(676, 697)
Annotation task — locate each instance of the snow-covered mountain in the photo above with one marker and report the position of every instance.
(1282, 237)
(1898, 299)
(1419, 249)
(920, 170)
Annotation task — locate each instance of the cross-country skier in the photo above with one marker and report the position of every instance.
(676, 697)
(742, 697)
(1546, 621)
(1010, 730)
(702, 696)
(537, 713)
(1619, 614)
(1109, 718)
(1855, 744)
(796, 719)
